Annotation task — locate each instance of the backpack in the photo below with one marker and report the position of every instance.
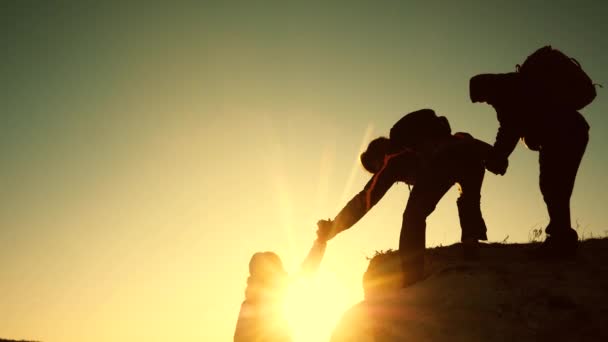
(418, 127)
(555, 78)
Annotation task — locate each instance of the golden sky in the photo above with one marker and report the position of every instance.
(148, 152)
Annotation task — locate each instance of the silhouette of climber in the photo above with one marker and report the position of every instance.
(432, 169)
(261, 315)
(558, 132)
(261, 318)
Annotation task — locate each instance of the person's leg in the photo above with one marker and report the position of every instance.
(469, 210)
(422, 201)
(469, 204)
(559, 159)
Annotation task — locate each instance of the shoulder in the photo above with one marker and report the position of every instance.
(405, 156)
(398, 162)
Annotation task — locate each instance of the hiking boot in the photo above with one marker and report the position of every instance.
(560, 245)
(470, 250)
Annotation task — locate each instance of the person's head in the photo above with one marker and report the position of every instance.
(266, 265)
(495, 89)
(262, 313)
(372, 158)
(267, 277)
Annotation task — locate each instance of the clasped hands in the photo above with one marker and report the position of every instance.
(325, 230)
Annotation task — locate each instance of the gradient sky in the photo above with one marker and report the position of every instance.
(147, 152)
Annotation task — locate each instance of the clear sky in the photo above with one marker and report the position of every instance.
(147, 152)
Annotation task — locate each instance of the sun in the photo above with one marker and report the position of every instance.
(314, 305)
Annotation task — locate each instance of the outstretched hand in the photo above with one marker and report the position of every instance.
(325, 230)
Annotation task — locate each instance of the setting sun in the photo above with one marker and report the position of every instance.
(314, 305)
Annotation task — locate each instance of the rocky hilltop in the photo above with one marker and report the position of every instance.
(506, 296)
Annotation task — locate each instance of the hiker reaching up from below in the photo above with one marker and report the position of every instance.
(539, 103)
(421, 152)
(261, 317)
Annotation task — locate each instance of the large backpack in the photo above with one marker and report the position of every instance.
(418, 127)
(557, 79)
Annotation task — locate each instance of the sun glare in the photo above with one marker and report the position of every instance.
(314, 306)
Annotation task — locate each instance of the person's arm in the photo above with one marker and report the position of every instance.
(361, 203)
(501, 91)
(311, 263)
(506, 139)
(508, 134)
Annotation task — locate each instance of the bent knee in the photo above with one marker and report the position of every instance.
(416, 214)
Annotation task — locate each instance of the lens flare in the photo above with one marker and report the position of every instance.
(314, 306)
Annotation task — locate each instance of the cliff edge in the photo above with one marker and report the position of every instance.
(506, 296)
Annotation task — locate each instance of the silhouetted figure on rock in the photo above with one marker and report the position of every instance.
(538, 103)
(432, 162)
(261, 318)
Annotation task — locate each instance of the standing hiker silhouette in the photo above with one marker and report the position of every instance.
(539, 103)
